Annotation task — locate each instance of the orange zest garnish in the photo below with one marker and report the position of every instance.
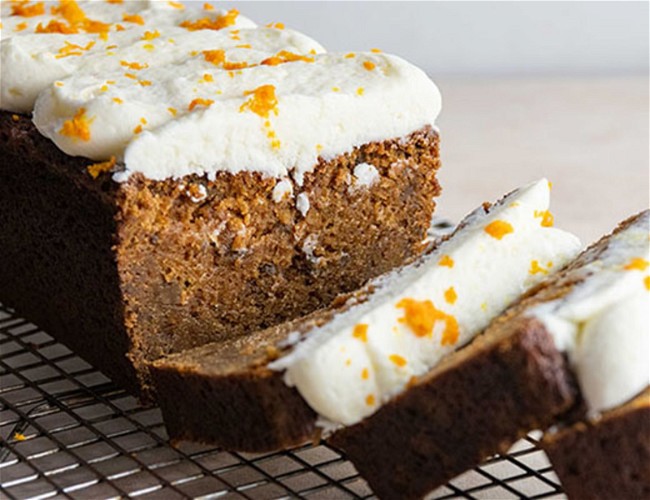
(72, 49)
(370, 400)
(397, 360)
(375, 51)
(151, 35)
(636, 264)
(360, 91)
(218, 58)
(23, 9)
(646, 282)
(19, 436)
(117, 100)
(421, 316)
(99, 168)
(546, 216)
(15, 118)
(350, 55)
(207, 6)
(369, 65)
(78, 127)
(262, 101)
(172, 111)
(446, 261)
(360, 332)
(20, 27)
(177, 5)
(144, 83)
(134, 65)
(277, 26)
(70, 11)
(535, 268)
(365, 374)
(133, 18)
(138, 129)
(206, 23)
(285, 56)
(55, 26)
(498, 229)
(200, 102)
(450, 295)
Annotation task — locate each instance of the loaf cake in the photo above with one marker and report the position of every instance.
(189, 176)
(339, 366)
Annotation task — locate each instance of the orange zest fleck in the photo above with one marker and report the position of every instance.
(70, 11)
(546, 216)
(370, 400)
(151, 35)
(131, 76)
(20, 27)
(498, 229)
(55, 26)
(365, 374)
(134, 65)
(397, 360)
(277, 26)
(72, 49)
(115, 1)
(284, 56)
(117, 100)
(19, 436)
(78, 127)
(350, 55)
(133, 18)
(200, 102)
(636, 264)
(176, 5)
(23, 9)
(375, 51)
(207, 6)
(138, 129)
(446, 261)
(262, 101)
(535, 268)
(450, 295)
(206, 23)
(369, 65)
(218, 58)
(99, 168)
(360, 332)
(421, 316)
(646, 282)
(348, 362)
(144, 83)
(244, 46)
(172, 111)
(360, 91)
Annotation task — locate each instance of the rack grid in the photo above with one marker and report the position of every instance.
(67, 431)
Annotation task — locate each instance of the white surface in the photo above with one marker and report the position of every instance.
(477, 37)
(349, 367)
(589, 136)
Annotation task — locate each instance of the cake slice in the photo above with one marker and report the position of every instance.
(514, 378)
(603, 324)
(606, 458)
(189, 176)
(283, 386)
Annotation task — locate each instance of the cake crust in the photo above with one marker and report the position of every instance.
(147, 268)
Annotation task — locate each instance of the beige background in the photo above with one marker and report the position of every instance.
(589, 136)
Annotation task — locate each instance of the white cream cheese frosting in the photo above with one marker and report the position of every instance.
(603, 324)
(348, 368)
(167, 99)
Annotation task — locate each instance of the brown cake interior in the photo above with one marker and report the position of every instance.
(606, 458)
(141, 268)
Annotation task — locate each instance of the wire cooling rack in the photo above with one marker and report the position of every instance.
(67, 431)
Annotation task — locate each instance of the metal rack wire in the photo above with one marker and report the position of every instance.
(67, 431)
